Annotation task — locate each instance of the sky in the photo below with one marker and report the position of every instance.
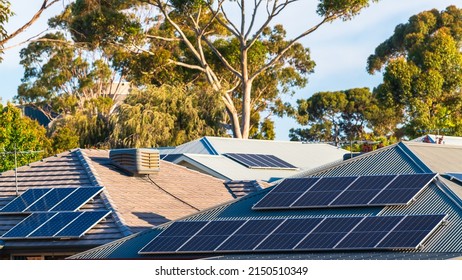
(339, 49)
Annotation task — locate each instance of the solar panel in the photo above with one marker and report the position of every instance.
(23, 201)
(28, 225)
(83, 223)
(212, 235)
(289, 234)
(78, 198)
(328, 233)
(260, 161)
(173, 237)
(55, 225)
(50, 199)
(345, 191)
(310, 234)
(249, 235)
(411, 231)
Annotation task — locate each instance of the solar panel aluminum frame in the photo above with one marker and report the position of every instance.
(369, 204)
(55, 235)
(255, 248)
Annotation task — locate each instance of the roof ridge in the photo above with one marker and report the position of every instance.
(105, 196)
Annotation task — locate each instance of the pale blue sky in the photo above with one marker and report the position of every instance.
(340, 49)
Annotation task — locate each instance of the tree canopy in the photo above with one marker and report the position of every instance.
(335, 116)
(422, 70)
(246, 64)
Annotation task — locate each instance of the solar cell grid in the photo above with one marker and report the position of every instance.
(76, 199)
(50, 199)
(55, 224)
(24, 200)
(212, 235)
(29, 224)
(311, 234)
(80, 225)
(345, 191)
(249, 235)
(299, 185)
(260, 161)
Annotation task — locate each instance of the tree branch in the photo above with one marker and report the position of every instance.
(35, 17)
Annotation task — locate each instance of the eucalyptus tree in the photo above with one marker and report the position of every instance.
(234, 55)
(422, 69)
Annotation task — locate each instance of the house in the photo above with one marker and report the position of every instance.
(81, 199)
(398, 202)
(249, 159)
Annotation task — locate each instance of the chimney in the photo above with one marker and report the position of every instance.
(136, 161)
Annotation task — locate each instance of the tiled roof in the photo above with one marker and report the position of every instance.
(136, 202)
(143, 202)
(437, 198)
(245, 187)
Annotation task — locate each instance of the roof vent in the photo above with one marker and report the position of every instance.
(136, 161)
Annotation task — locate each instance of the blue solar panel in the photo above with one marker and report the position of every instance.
(78, 198)
(369, 232)
(28, 225)
(260, 161)
(212, 235)
(277, 200)
(312, 234)
(171, 239)
(55, 224)
(298, 185)
(49, 200)
(249, 235)
(23, 201)
(289, 234)
(82, 223)
(345, 191)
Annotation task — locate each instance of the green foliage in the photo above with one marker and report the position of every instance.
(165, 116)
(422, 64)
(22, 133)
(345, 9)
(335, 116)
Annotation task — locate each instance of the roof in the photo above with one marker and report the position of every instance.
(441, 196)
(136, 203)
(155, 199)
(243, 188)
(439, 139)
(207, 155)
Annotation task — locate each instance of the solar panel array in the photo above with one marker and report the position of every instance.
(345, 191)
(50, 200)
(312, 234)
(55, 225)
(260, 161)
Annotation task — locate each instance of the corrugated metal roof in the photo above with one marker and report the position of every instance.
(437, 198)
